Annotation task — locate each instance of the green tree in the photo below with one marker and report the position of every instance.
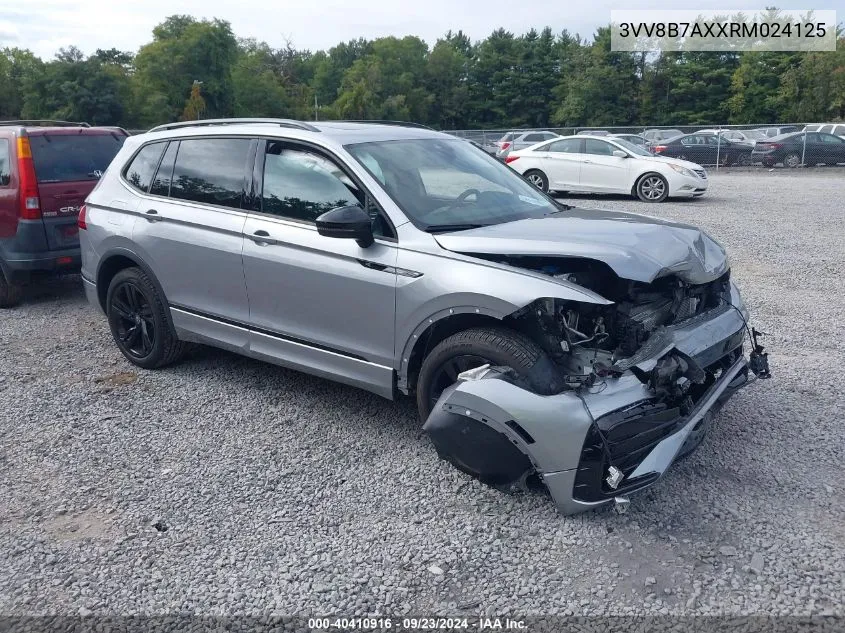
(184, 50)
(258, 89)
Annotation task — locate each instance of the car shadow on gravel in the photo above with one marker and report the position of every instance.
(263, 376)
(47, 289)
(618, 197)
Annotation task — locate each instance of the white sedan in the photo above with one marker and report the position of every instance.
(594, 164)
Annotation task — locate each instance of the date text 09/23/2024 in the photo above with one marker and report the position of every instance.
(380, 623)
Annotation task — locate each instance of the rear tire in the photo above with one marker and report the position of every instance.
(138, 320)
(10, 294)
(792, 160)
(538, 179)
(475, 347)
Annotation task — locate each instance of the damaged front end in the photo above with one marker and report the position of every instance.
(643, 378)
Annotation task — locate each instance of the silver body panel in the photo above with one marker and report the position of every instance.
(334, 309)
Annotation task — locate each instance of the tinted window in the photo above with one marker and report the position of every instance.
(534, 138)
(164, 175)
(210, 171)
(5, 163)
(140, 171)
(830, 138)
(566, 146)
(825, 128)
(600, 148)
(65, 157)
(302, 185)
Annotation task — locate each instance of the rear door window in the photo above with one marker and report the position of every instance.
(5, 163)
(140, 171)
(73, 157)
(566, 146)
(211, 171)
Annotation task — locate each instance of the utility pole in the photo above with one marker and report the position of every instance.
(315, 106)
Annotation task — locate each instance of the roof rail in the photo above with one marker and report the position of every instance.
(300, 125)
(45, 122)
(385, 122)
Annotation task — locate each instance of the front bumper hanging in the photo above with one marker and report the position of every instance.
(593, 445)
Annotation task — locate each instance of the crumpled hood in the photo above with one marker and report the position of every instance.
(636, 247)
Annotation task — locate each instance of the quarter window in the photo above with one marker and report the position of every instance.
(534, 138)
(164, 175)
(301, 185)
(140, 171)
(210, 171)
(5, 166)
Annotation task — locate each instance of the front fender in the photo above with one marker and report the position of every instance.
(464, 285)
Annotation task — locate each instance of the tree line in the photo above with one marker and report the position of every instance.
(200, 69)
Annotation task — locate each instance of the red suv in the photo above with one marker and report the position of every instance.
(47, 169)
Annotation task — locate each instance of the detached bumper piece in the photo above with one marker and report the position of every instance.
(595, 445)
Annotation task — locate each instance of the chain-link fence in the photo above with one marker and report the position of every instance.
(787, 145)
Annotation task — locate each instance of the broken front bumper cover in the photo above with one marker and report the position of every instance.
(576, 440)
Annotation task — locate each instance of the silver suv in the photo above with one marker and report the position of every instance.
(589, 348)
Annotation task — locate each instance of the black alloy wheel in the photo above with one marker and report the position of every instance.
(135, 326)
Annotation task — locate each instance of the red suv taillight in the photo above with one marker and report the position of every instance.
(658, 148)
(80, 220)
(505, 145)
(30, 205)
(510, 159)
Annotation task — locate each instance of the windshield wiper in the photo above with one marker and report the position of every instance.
(446, 228)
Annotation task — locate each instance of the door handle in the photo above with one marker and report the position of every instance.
(151, 215)
(587, 162)
(261, 238)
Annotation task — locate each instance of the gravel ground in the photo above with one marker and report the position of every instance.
(228, 486)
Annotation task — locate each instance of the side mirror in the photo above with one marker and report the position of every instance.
(620, 154)
(347, 222)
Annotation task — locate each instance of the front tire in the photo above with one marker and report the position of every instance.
(138, 320)
(538, 179)
(652, 188)
(475, 347)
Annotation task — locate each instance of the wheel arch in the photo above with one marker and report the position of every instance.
(120, 258)
(434, 330)
(647, 172)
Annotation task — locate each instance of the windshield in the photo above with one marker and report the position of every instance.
(634, 149)
(450, 185)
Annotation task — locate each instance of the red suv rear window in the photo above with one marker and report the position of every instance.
(64, 157)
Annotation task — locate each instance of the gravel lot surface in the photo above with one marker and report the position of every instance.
(228, 486)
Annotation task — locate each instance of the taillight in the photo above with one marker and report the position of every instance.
(505, 146)
(510, 159)
(80, 220)
(658, 148)
(30, 205)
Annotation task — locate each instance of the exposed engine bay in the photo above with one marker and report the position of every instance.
(638, 382)
(589, 341)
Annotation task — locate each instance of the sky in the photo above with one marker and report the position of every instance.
(45, 26)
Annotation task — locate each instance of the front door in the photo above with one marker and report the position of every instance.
(323, 305)
(601, 171)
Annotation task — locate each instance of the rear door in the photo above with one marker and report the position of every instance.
(190, 234)
(68, 163)
(562, 163)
